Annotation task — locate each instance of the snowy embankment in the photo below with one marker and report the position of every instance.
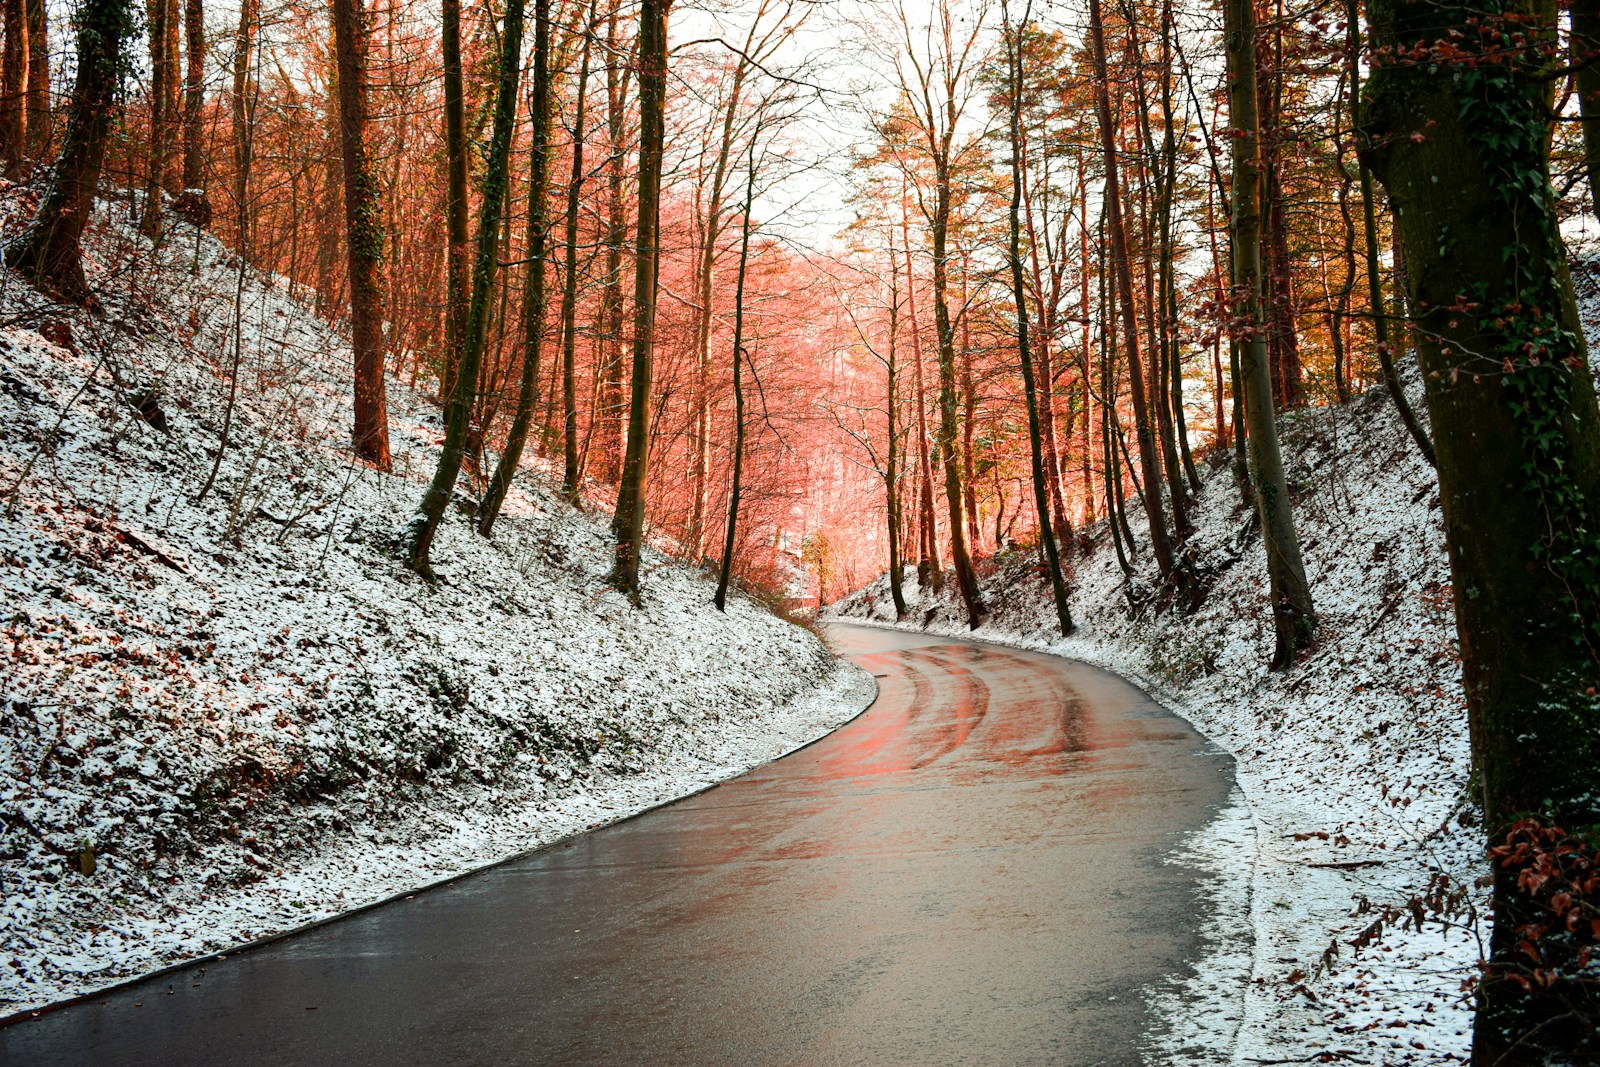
(1344, 910)
(233, 702)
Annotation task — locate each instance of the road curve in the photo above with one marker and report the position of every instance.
(972, 872)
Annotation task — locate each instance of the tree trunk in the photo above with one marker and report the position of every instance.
(39, 117)
(705, 298)
(458, 416)
(891, 473)
(616, 235)
(363, 215)
(1517, 435)
(1160, 543)
(628, 521)
(14, 88)
(1380, 318)
(458, 249)
(49, 251)
(194, 102)
(1586, 57)
(569, 291)
(533, 300)
(728, 543)
(1294, 619)
(1019, 296)
(929, 567)
(161, 72)
(243, 44)
(966, 579)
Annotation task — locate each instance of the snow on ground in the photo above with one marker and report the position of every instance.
(238, 700)
(1343, 878)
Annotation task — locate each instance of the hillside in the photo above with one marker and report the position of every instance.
(1347, 906)
(227, 710)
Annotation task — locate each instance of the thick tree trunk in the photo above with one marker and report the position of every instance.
(1294, 619)
(458, 416)
(14, 87)
(49, 252)
(363, 236)
(628, 521)
(533, 300)
(1517, 434)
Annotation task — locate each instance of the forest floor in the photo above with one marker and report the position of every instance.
(222, 686)
(1346, 909)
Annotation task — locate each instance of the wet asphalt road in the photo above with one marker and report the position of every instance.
(970, 873)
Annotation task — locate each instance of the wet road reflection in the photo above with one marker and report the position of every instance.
(971, 872)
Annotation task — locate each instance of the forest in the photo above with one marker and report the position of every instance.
(826, 301)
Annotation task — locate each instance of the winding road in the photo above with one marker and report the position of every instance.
(972, 872)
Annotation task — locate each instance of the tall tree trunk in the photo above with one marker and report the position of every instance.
(1294, 619)
(1169, 254)
(1157, 234)
(1019, 296)
(969, 421)
(458, 248)
(1517, 433)
(49, 251)
(243, 46)
(1283, 336)
(39, 117)
(1086, 345)
(458, 416)
(14, 88)
(1380, 318)
(705, 297)
(194, 102)
(929, 567)
(616, 235)
(628, 521)
(537, 244)
(891, 473)
(1283, 315)
(948, 431)
(1160, 542)
(569, 291)
(172, 96)
(363, 213)
(1586, 58)
(737, 487)
(161, 72)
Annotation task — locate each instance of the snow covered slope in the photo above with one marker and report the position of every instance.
(240, 704)
(1352, 821)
